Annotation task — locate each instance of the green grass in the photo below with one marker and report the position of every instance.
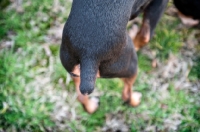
(21, 109)
(166, 40)
(195, 71)
(33, 82)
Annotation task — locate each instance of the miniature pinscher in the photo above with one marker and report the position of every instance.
(95, 44)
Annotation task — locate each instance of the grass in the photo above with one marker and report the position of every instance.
(36, 93)
(165, 41)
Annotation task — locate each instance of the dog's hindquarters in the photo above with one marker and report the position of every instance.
(95, 37)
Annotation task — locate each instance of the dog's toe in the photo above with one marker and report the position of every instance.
(135, 99)
(92, 105)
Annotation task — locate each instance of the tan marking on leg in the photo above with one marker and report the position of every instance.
(133, 31)
(143, 36)
(127, 95)
(76, 71)
(90, 105)
(98, 74)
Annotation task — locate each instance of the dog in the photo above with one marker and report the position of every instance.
(188, 11)
(95, 44)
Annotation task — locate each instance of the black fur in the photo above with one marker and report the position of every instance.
(189, 7)
(95, 37)
(153, 13)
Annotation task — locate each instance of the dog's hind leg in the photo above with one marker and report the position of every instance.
(133, 98)
(152, 15)
(89, 104)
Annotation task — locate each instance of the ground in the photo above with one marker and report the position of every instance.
(37, 94)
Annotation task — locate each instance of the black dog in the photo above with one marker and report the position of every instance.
(189, 11)
(95, 37)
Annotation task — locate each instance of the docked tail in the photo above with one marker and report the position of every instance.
(89, 69)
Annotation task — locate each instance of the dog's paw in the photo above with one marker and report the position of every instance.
(92, 105)
(135, 99)
(188, 21)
